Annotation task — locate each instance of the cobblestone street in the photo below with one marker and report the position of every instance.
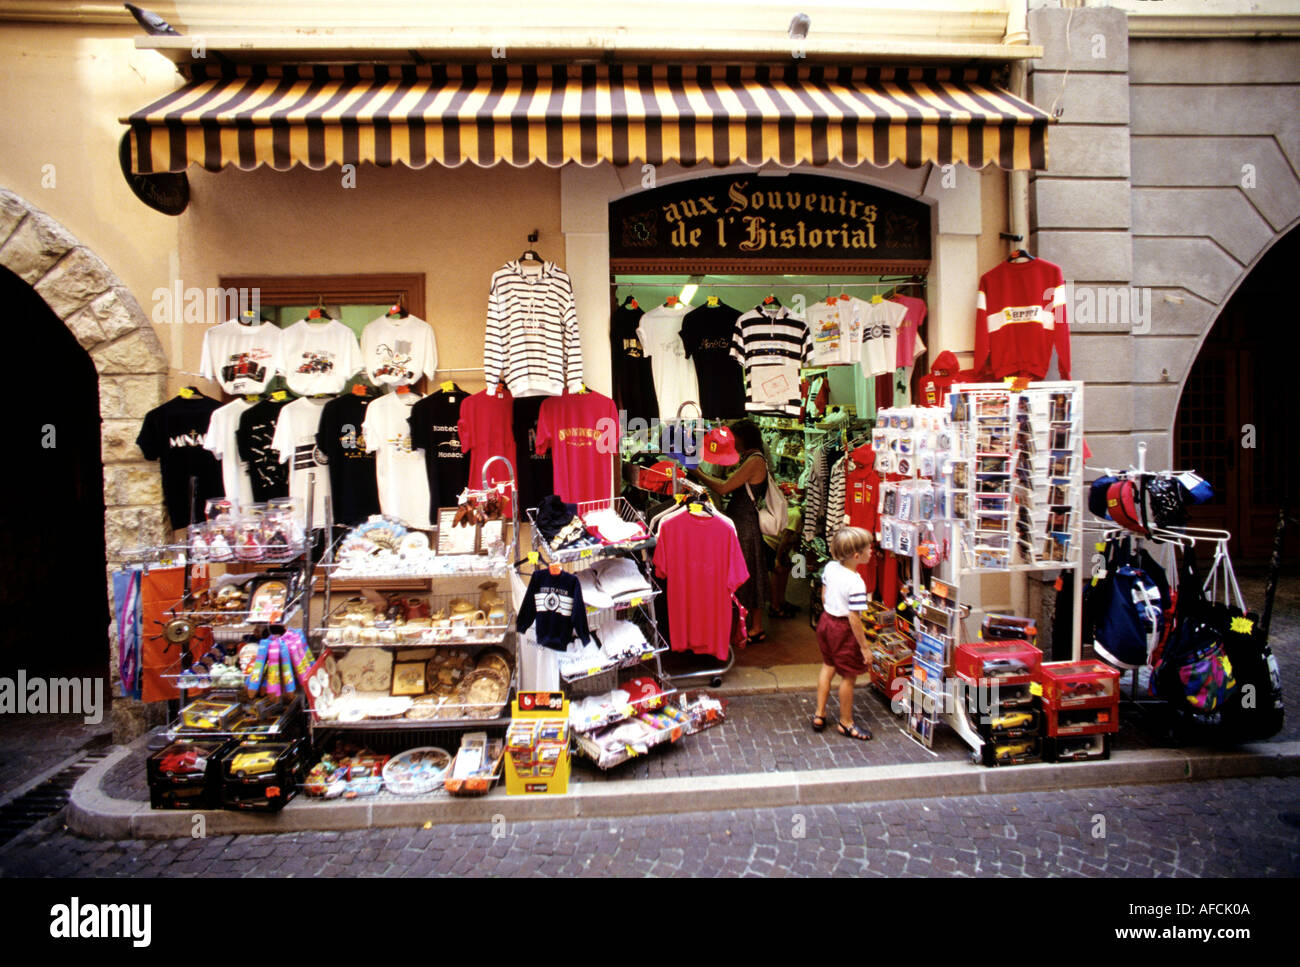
(1241, 827)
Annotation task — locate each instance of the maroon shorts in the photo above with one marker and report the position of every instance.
(839, 647)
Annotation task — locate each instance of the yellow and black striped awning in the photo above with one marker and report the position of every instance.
(555, 114)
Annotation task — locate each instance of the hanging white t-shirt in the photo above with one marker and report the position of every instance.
(400, 470)
(829, 334)
(319, 357)
(295, 442)
(880, 322)
(660, 332)
(243, 359)
(397, 351)
(222, 426)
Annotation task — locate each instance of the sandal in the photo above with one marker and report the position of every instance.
(819, 723)
(757, 637)
(853, 732)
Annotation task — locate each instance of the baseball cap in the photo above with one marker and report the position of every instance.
(720, 447)
(1122, 504)
(1097, 493)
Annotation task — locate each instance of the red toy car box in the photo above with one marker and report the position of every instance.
(1078, 684)
(1007, 662)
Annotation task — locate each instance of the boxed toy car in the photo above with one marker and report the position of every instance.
(1077, 748)
(186, 774)
(1012, 662)
(1078, 684)
(261, 775)
(1081, 721)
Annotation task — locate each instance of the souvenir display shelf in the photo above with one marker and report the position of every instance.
(445, 576)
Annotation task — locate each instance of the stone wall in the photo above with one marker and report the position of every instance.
(110, 325)
(1172, 170)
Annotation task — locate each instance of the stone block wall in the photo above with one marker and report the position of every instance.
(111, 326)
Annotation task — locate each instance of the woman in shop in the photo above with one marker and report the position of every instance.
(742, 508)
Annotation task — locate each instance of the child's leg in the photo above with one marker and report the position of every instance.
(846, 701)
(824, 688)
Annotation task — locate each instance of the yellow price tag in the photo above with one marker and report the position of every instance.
(629, 711)
(1099, 546)
(586, 552)
(448, 386)
(631, 752)
(594, 670)
(1036, 689)
(696, 508)
(1242, 625)
(634, 602)
(279, 395)
(679, 497)
(533, 557)
(186, 393)
(877, 299)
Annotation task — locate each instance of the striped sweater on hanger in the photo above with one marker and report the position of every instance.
(532, 332)
(835, 499)
(772, 344)
(814, 507)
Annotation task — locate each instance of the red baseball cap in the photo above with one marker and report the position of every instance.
(1122, 506)
(720, 447)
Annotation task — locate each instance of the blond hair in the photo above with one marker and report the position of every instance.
(849, 542)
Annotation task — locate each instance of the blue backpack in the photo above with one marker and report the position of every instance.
(1131, 608)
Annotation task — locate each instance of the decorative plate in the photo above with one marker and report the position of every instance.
(416, 771)
(367, 669)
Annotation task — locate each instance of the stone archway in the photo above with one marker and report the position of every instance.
(114, 330)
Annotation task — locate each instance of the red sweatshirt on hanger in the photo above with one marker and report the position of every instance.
(1020, 316)
(862, 502)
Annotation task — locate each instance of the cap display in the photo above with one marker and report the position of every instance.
(720, 447)
(1122, 505)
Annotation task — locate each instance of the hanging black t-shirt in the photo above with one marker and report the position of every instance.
(433, 422)
(707, 333)
(270, 477)
(353, 486)
(536, 473)
(173, 435)
(554, 602)
(634, 384)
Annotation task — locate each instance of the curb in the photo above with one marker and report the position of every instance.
(92, 813)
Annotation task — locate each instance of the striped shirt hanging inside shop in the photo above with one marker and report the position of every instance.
(772, 344)
(532, 332)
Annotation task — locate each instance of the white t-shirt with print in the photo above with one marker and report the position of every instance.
(660, 332)
(880, 322)
(397, 351)
(319, 357)
(400, 470)
(295, 442)
(832, 335)
(243, 359)
(845, 590)
(222, 426)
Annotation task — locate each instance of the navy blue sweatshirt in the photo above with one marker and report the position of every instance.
(555, 602)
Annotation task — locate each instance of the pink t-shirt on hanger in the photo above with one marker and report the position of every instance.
(701, 558)
(582, 431)
(908, 329)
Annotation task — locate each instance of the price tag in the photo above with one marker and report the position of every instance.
(696, 508)
(1099, 546)
(448, 386)
(631, 752)
(594, 670)
(635, 602)
(1036, 689)
(533, 557)
(586, 552)
(1242, 625)
(629, 711)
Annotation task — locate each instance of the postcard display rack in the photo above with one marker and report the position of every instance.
(1008, 491)
(422, 647)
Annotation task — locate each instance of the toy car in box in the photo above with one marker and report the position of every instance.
(1006, 724)
(185, 775)
(1078, 684)
(1011, 752)
(1081, 721)
(1076, 748)
(260, 775)
(1006, 662)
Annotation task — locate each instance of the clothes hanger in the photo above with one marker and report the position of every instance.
(319, 312)
(530, 255)
(630, 303)
(398, 311)
(1018, 254)
(772, 300)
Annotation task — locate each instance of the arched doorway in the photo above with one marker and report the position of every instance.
(1236, 417)
(52, 589)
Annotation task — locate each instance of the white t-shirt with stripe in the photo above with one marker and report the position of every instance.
(845, 590)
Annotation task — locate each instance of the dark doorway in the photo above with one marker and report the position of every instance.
(1244, 378)
(53, 586)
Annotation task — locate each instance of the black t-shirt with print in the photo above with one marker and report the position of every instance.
(173, 435)
(707, 332)
(536, 473)
(433, 422)
(634, 383)
(353, 484)
(270, 477)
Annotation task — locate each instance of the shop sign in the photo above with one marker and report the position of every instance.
(797, 216)
(167, 192)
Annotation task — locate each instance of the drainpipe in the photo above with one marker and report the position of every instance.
(1018, 216)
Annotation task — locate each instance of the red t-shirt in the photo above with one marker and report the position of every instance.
(486, 430)
(701, 558)
(1020, 316)
(582, 429)
(862, 502)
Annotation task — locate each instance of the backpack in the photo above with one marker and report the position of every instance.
(1130, 611)
(1194, 672)
(774, 511)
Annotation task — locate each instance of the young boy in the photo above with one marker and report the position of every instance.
(839, 632)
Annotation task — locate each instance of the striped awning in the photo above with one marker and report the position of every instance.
(317, 116)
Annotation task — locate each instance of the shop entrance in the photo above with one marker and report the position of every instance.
(1234, 424)
(53, 592)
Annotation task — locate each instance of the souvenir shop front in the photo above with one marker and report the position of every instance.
(411, 556)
